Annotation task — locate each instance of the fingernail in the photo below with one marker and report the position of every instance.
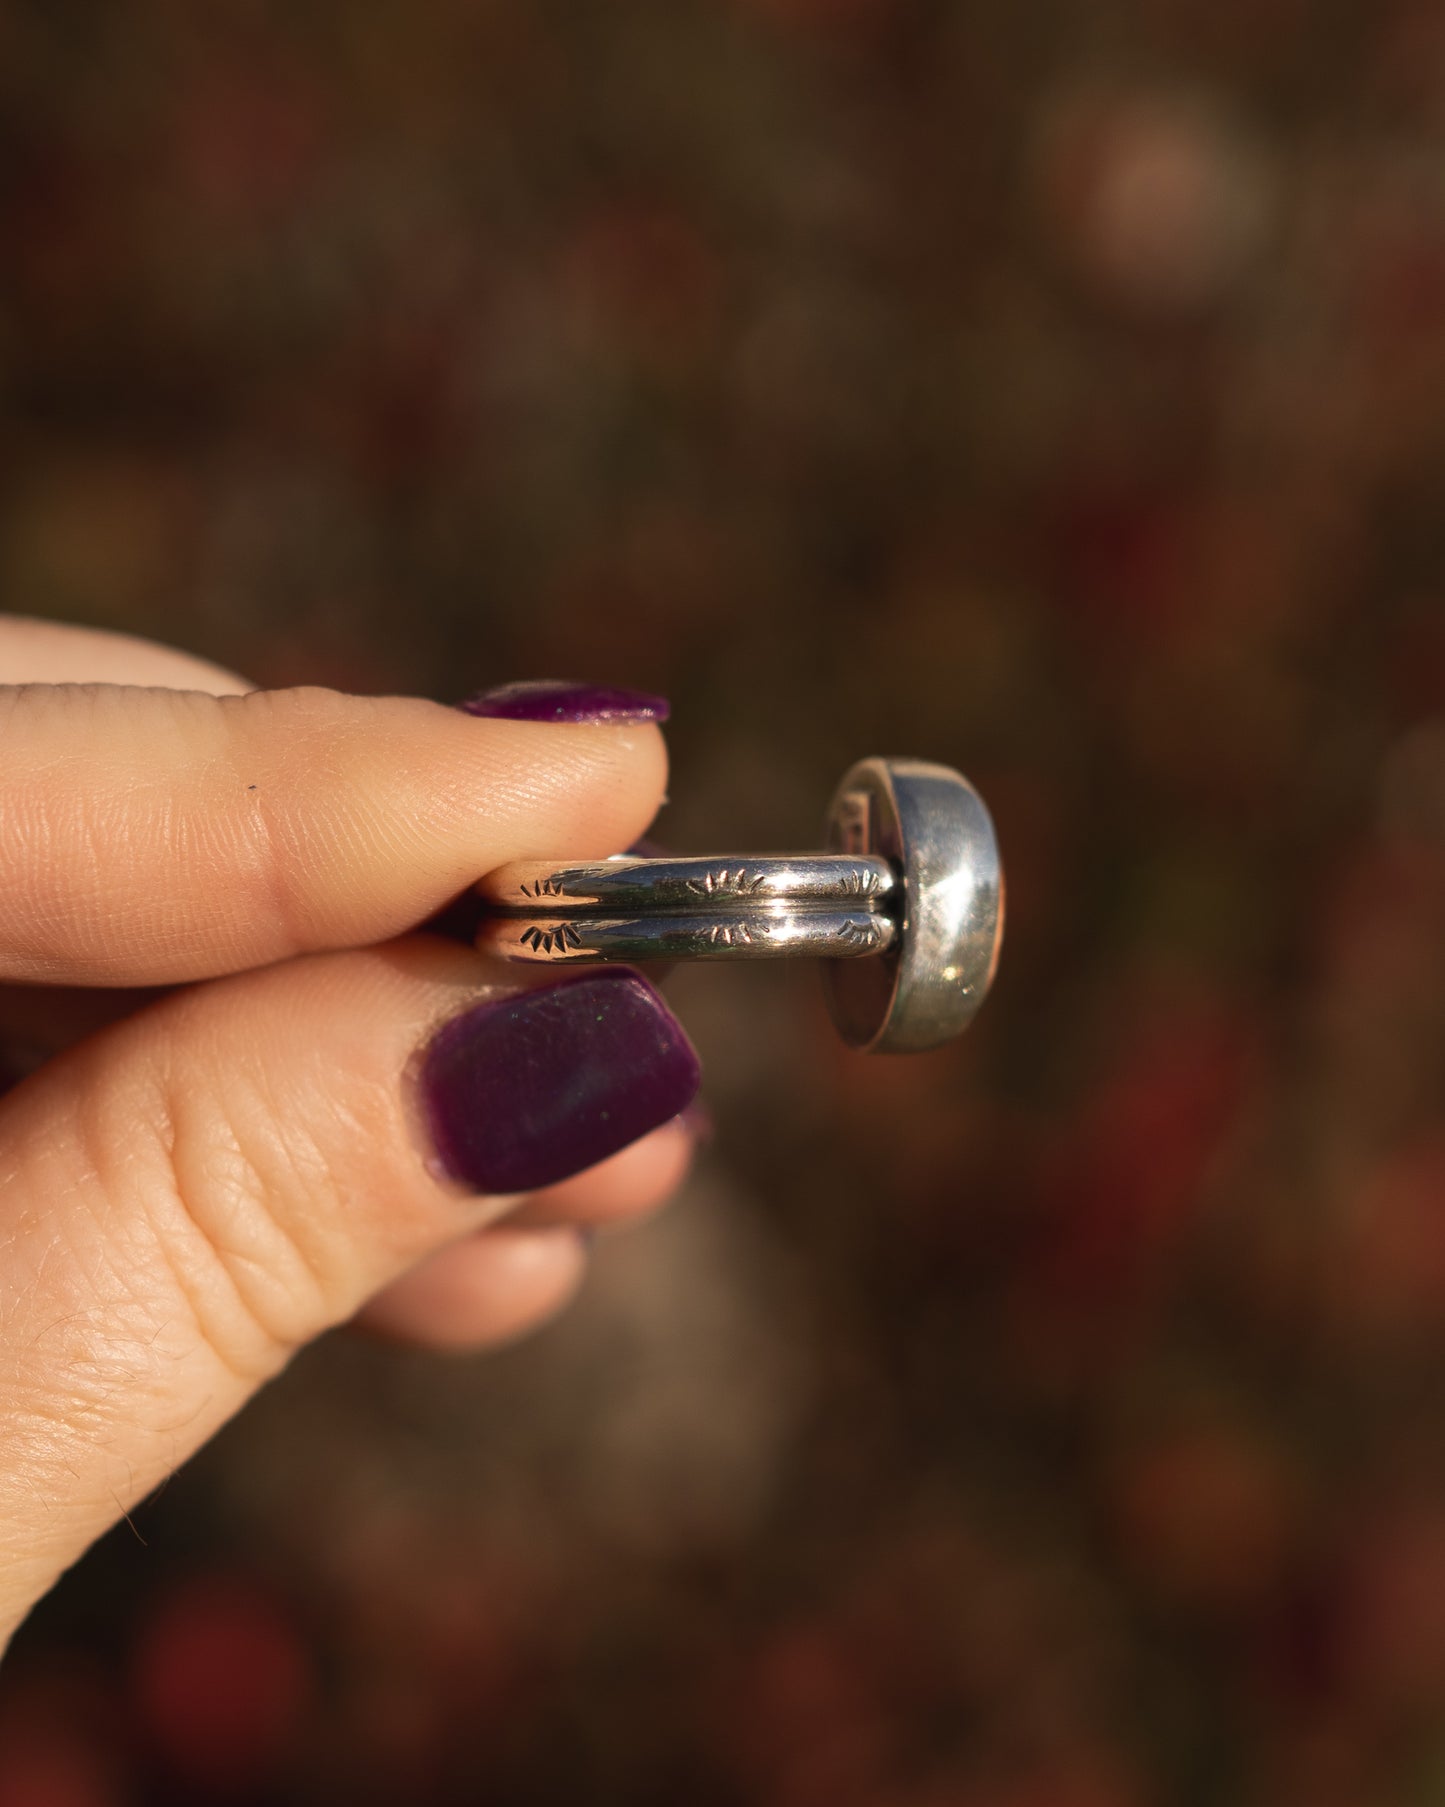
(554, 700)
(523, 1091)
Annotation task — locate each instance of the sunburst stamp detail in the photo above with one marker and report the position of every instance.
(864, 936)
(733, 881)
(729, 934)
(557, 939)
(861, 883)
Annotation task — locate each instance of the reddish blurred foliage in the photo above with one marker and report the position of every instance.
(645, 275)
(1122, 1183)
(1207, 1514)
(63, 1742)
(249, 135)
(221, 1679)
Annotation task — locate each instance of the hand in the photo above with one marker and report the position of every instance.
(261, 1107)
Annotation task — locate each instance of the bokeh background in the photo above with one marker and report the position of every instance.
(1056, 391)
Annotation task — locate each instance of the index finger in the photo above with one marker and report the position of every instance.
(153, 836)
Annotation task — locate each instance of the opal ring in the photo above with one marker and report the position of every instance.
(905, 908)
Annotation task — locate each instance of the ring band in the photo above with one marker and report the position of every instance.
(904, 908)
(729, 907)
(754, 934)
(720, 883)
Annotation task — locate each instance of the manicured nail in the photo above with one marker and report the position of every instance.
(520, 1092)
(552, 700)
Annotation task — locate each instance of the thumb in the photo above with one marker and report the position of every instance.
(194, 1192)
(154, 836)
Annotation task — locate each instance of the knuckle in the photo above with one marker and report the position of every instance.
(282, 747)
(256, 1205)
(237, 1215)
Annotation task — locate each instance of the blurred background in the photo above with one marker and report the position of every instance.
(1055, 391)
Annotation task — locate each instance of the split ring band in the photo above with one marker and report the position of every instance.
(905, 909)
(738, 907)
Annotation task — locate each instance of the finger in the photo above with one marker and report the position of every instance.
(634, 1182)
(43, 1020)
(195, 1192)
(38, 1021)
(154, 836)
(515, 1274)
(481, 1292)
(55, 652)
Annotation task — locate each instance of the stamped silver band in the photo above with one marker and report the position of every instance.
(723, 907)
(721, 884)
(905, 907)
(758, 933)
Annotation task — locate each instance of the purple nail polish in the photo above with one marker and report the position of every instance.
(522, 1091)
(553, 700)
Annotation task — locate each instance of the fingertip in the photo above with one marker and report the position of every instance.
(627, 1186)
(489, 1289)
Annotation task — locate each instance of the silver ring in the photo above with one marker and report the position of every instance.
(752, 934)
(906, 909)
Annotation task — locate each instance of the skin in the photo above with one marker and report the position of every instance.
(209, 930)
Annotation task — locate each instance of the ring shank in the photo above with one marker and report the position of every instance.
(759, 933)
(718, 884)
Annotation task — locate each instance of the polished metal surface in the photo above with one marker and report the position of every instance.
(721, 882)
(905, 910)
(758, 933)
(932, 827)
